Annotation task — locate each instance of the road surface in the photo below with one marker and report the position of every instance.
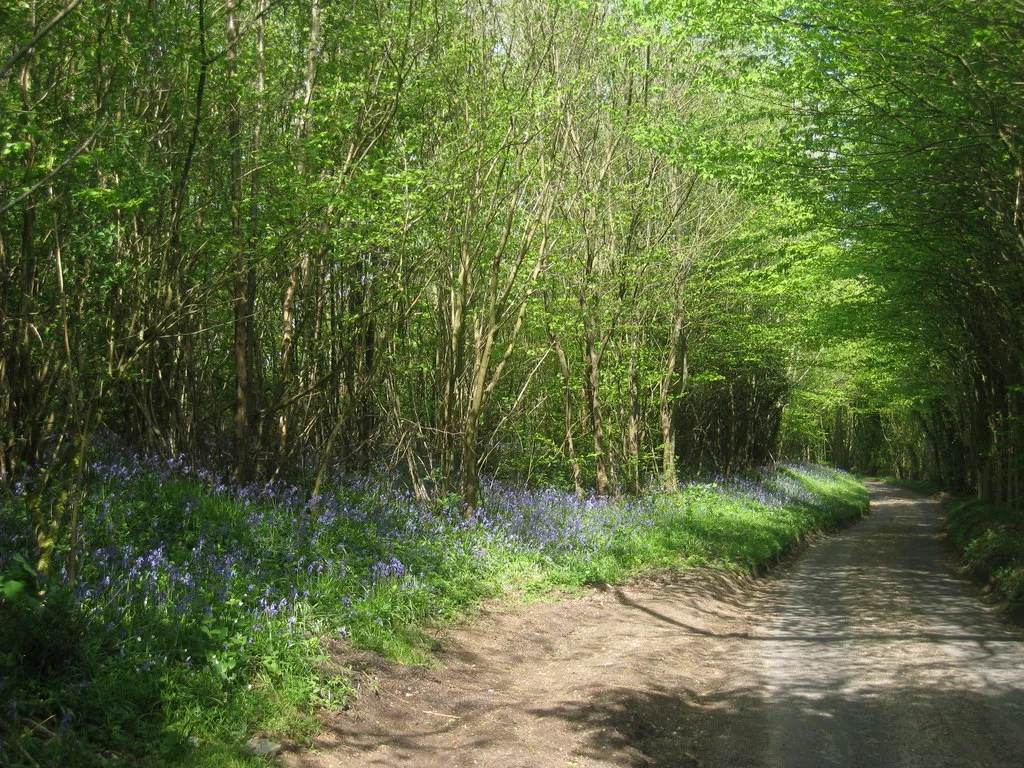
(876, 654)
(867, 650)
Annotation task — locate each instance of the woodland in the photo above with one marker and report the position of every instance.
(563, 242)
(600, 247)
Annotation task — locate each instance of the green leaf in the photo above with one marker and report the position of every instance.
(14, 590)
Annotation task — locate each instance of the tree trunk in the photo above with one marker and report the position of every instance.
(242, 299)
(570, 443)
(602, 483)
(666, 403)
(632, 446)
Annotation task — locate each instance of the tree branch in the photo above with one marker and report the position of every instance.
(50, 26)
(43, 181)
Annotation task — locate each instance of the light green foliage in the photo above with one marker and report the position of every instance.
(437, 205)
(562, 242)
(903, 115)
(897, 127)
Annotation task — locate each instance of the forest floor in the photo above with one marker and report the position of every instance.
(868, 649)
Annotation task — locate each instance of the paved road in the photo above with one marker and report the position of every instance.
(877, 655)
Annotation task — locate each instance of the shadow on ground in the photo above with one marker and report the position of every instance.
(866, 653)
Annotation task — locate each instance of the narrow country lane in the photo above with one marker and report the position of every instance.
(866, 651)
(877, 655)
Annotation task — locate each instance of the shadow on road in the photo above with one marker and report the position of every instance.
(666, 728)
(867, 652)
(877, 655)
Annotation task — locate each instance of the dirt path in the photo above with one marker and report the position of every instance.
(866, 651)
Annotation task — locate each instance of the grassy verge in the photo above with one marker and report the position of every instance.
(991, 542)
(201, 611)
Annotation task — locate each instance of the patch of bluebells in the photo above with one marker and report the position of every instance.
(776, 491)
(780, 488)
(551, 521)
(168, 543)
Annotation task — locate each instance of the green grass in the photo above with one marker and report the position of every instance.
(991, 542)
(211, 627)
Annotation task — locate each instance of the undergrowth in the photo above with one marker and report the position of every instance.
(991, 542)
(201, 612)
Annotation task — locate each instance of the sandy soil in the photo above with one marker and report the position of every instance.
(866, 650)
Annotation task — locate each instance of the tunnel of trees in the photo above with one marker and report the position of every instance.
(567, 242)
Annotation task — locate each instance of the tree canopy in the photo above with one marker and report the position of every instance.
(564, 242)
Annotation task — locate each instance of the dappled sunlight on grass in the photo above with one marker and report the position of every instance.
(991, 541)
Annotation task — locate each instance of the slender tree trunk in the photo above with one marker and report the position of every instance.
(570, 443)
(632, 446)
(242, 300)
(602, 483)
(677, 357)
(453, 357)
(485, 379)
